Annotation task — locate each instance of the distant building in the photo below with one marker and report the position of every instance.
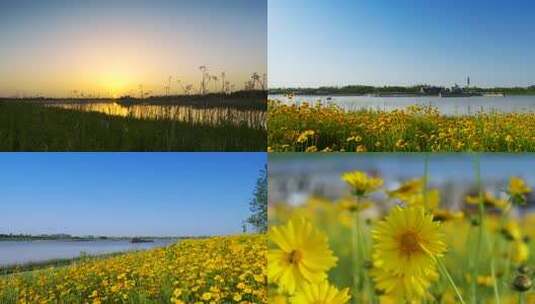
(431, 90)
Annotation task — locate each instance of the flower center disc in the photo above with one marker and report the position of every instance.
(409, 243)
(295, 257)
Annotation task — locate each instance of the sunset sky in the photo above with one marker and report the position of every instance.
(111, 47)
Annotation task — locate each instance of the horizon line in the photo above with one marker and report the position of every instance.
(392, 85)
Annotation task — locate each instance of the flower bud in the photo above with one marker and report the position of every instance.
(522, 283)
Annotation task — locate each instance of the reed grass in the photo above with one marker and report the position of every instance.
(33, 127)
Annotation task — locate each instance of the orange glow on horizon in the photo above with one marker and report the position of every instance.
(110, 50)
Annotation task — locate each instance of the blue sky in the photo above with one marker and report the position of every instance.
(53, 47)
(126, 194)
(380, 42)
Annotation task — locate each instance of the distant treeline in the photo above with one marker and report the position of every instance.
(366, 90)
(17, 237)
(510, 91)
(240, 100)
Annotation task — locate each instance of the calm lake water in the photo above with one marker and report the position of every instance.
(447, 106)
(210, 116)
(20, 252)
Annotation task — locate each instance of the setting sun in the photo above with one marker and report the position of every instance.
(115, 83)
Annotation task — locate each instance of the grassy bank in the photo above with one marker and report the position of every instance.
(416, 129)
(32, 127)
(220, 270)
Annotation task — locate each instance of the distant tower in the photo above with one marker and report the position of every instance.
(468, 81)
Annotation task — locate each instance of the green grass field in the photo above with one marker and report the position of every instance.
(32, 127)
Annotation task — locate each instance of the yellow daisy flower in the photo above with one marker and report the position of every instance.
(429, 200)
(518, 189)
(302, 255)
(445, 215)
(517, 186)
(322, 293)
(489, 200)
(278, 299)
(407, 189)
(400, 286)
(485, 280)
(407, 242)
(520, 252)
(511, 231)
(361, 183)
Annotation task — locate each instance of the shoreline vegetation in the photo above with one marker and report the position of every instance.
(208, 122)
(240, 100)
(328, 128)
(53, 263)
(394, 91)
(221, 269)
(27, 126)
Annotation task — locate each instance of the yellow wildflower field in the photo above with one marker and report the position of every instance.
(357, 249)
(230, 269)
(312, 128)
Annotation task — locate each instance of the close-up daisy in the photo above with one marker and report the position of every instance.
(301, 254)
(322, 293)
(407, 242)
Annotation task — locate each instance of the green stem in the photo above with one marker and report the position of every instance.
(471, 264)
(446, 273)
(508, 261)
(493, 270)
(363, 258)
(477, 167)
(356, 255)
(521, 298)
(481, 209)
(494, 280)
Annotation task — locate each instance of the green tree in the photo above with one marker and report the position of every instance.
(258, 203)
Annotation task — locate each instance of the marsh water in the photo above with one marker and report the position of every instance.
(209, 116)
(21, 252)
(448, 106)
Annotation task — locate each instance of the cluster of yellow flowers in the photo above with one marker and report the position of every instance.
(215, 270)
(300, 262)
(311, 128)
(417, 251)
